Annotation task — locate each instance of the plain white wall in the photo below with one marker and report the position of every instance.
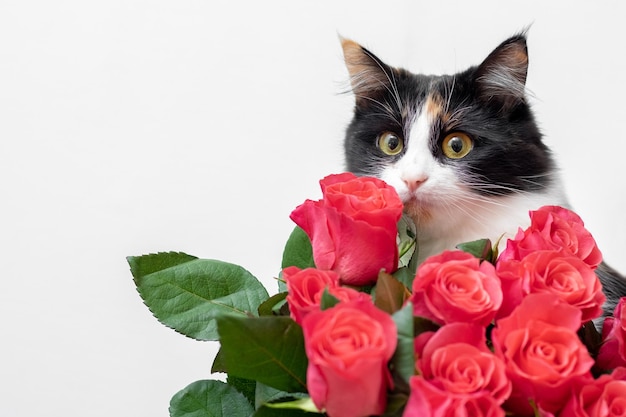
(129, 127)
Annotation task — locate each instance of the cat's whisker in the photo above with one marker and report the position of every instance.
(448, 92)
(387, 111)
(389, 74)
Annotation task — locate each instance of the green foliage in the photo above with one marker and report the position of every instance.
(266, 394)
(328, 300)
(266, 349)
(403, 360)
(210, 398)
(245, 386)
(389, 293)
(298, 250)
(275, 305)
(292, 408)
(482, 249)
(188, 294)
(407, 236)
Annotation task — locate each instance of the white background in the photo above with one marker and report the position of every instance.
(129, 127)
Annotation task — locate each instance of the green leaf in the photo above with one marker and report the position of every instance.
(407, 240)
(218, 363)
(403, 360)
(266, 349)
(265, 394)
(481, 249)
(273, 305)
(304, 404)
(421, 325)
(389, 293)
(141, 266)
(298, 250)
(188, 294)
(245, 386)
(406, 274)
(328, 300)
(396, 401)
(267, 411)
(209, 398)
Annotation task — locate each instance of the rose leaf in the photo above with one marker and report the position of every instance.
(269, 350)
(265, 394)
(389, 293)
(328, 300)
(209, 398)
(298, 250)
(403, 360)
(481, 249)
(273, 305)
(188, 294)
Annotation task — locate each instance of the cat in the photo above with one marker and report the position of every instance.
(463, 151)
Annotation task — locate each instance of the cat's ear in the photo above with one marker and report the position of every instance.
(501, 78)
(368, 74)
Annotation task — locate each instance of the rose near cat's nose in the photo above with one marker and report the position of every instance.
(414, 183)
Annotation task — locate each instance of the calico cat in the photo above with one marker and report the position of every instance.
(463, 151)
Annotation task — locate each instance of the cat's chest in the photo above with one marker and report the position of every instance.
(500, 219)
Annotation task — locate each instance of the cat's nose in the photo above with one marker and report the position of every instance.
(414, 183)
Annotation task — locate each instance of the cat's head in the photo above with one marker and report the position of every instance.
(447, 142)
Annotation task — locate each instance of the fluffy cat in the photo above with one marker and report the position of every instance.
(463, 151)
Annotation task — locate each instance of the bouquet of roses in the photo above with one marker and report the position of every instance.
(358, 329)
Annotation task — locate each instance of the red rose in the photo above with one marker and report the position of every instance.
(543, 355)
(427, 400)
(353, 229)
(456, 287)
(456, 359)
(554, 228)
(606, 396)
(348, 347)
(613, 350)
(563, 275)
(306, 286)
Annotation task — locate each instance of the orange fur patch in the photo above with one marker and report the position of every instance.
(419, 213)
(435, 108)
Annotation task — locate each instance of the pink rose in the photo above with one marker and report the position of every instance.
(554, 228)
(605, 396)
(613, 350)
(563, 275)
(353, 229)
(427, 400)
(349, 347)
(456, 360)
(306, 286)
(456, 287)
(543, 355)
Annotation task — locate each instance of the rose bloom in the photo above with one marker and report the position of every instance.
(353, 229)
(563, 275)
(456, 359)
(349, 347)
(305, 288)
(543, 355)
(554, 228)
(455, 286)
(605, 396)
(427, 400)
(613, 350)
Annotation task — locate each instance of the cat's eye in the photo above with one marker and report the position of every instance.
(457, 145)
(390, 143)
